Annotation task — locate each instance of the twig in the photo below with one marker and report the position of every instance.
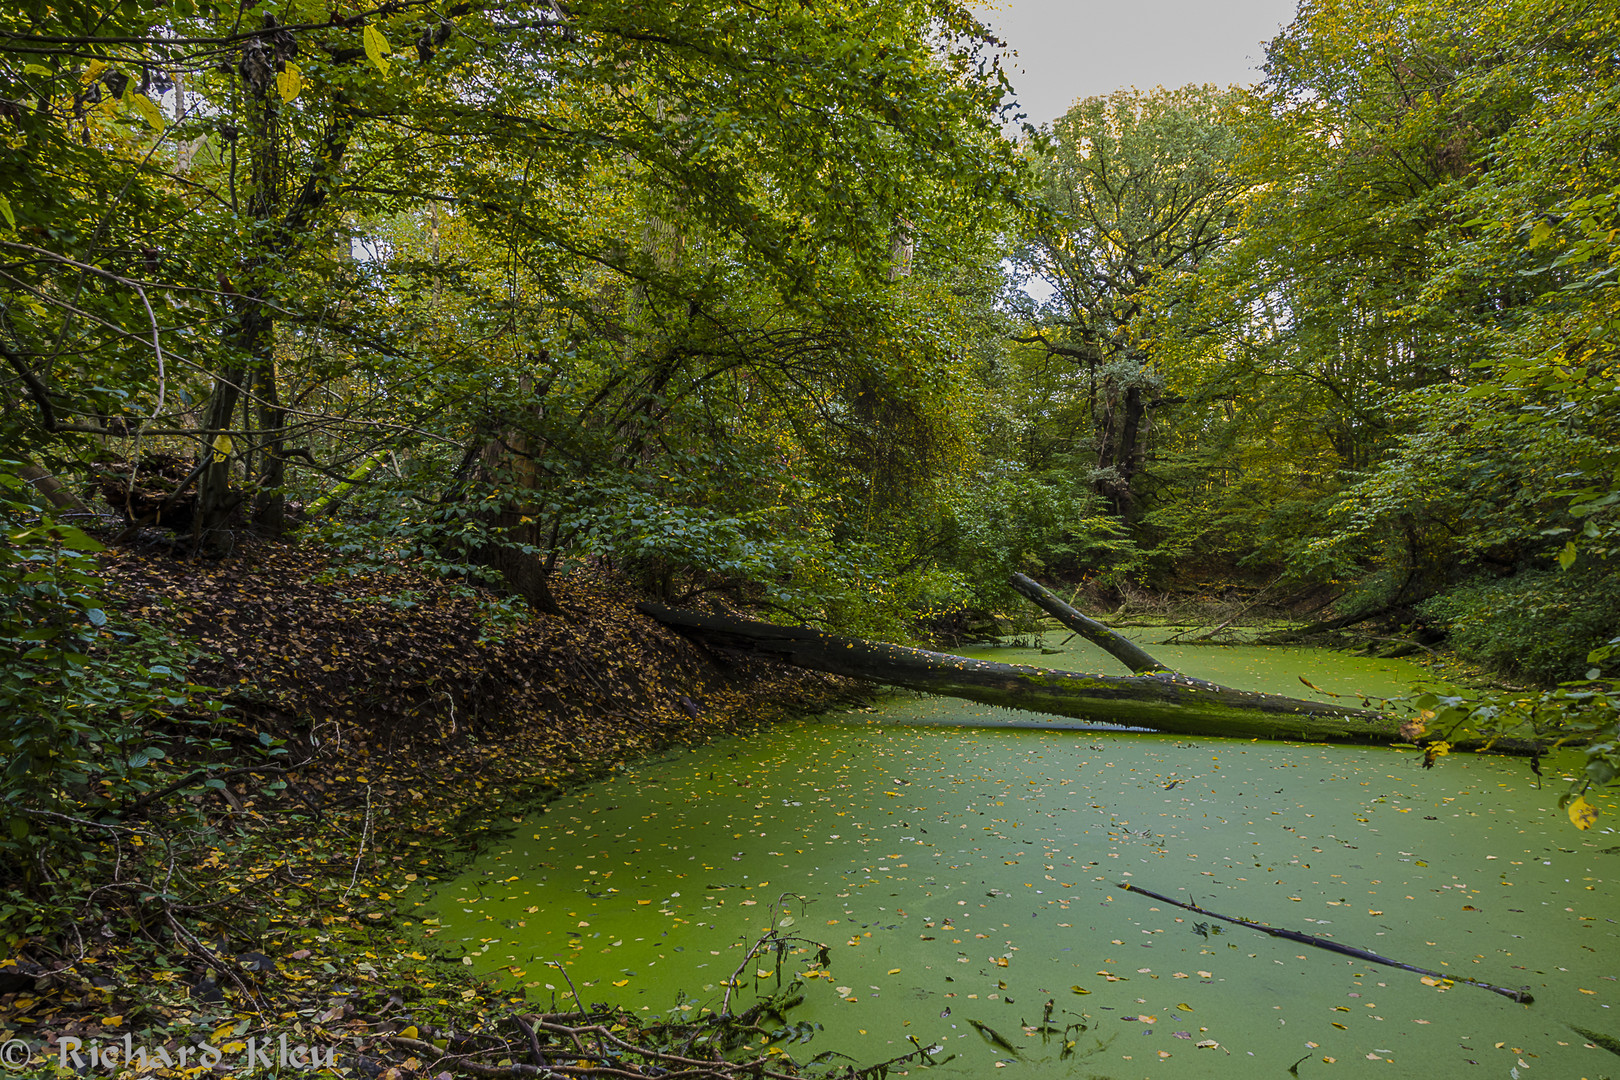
(365, 830)
(1521, 995)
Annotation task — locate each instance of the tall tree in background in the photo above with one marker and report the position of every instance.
(1140, 193)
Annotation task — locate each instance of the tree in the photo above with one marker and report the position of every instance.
(1139, 195)
(656, 243)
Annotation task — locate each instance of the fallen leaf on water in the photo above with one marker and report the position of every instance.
(1184, 1007)
(1582, 813)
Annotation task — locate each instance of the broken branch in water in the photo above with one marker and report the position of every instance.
(1521, 995)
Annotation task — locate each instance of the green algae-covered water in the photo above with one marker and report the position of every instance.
(962, 865)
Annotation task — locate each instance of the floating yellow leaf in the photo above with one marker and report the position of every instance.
(1079, 990)
(1184, 1007)
(1582, 813)
(894, 971)
(621, 982)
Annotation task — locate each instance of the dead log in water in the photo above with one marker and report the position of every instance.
(1161, 700)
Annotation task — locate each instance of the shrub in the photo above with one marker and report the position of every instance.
(1537, 625)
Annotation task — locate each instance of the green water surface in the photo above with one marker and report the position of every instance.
(964, 864)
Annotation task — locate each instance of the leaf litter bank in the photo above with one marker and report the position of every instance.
(249, 901)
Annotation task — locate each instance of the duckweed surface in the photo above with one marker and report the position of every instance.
(962, 865)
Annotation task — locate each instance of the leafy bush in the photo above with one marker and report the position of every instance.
(91, 711)
(1538, 625)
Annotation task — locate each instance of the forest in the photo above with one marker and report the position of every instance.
(365, 363)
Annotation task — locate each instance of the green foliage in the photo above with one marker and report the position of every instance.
(1009, 521)
(1538, 625)
(1137, 193)
(97, 715)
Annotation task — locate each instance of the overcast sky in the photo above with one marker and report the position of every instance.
(1071, 49)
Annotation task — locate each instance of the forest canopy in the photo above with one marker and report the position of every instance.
(762, 301)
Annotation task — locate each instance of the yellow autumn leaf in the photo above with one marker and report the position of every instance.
(377, 47)
(409, 1033)
(146, 107)
(1079, 990)
(1582, 813)
(222, 447)
(289, 82)
(1184, 1007)
(621, 982)
(112, 1021)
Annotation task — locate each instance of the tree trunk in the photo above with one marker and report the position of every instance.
(1109, 641)
(282, 226)
(1163, 701)
(53, 489)
(270, 500)
(508, 461)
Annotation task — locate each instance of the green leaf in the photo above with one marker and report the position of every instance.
(5, 212)
(147, 108)
(289, 82)
(1566, 557)
(376, 47)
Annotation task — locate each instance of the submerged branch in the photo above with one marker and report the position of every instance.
(1521, 995)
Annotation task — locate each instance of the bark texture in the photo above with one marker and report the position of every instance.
(1109, 641)
(1161, 701)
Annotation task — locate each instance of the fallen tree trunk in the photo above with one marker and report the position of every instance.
(1162, 701)
(1109, 641)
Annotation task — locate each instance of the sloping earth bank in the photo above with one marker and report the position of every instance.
(418, 721)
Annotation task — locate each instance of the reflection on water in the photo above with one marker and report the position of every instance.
(963, 865)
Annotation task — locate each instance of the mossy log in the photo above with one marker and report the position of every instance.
(1110, 641)
(1162, 701)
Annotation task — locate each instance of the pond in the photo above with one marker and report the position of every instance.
(963, 864)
